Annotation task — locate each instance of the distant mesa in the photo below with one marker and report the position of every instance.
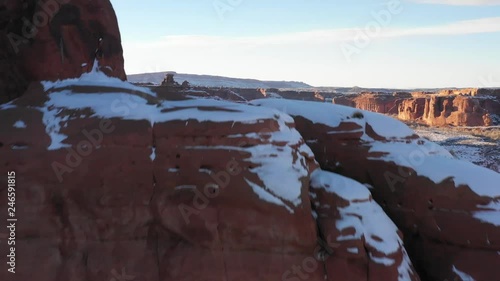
(214, 81)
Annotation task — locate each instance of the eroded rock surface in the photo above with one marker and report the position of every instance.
(56, 39)
(467, 107)
(364, 243)
(448, 209)
(114, 180)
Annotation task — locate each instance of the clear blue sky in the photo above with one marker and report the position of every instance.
(413, 43)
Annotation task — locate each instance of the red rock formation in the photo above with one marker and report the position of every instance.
(199, 206)
(376, 102)
(343, 100)
(357, 230)
(56, 39)
(459, 110)
(466, 107)
(412, 109)
(448, 209)
(127, 184)
(318, 96)
(383, 103)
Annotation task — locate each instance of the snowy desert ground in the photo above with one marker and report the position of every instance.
(479, 145)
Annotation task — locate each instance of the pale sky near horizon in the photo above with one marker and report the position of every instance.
(366, 43)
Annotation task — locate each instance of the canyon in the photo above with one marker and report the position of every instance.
(115, 181)
(462, 108)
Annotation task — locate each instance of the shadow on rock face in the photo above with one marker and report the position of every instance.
(54, 40)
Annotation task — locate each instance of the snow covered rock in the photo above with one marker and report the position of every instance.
(366, 244)
(110, 176)
(448, 209)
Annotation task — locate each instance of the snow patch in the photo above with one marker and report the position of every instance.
(277, 167)
(314, 214)
(333, 114)
(490, 215)
(9, 105)
(280, 173)
(353, 250)
(180, 187)
(95, 78)
(153, 154)
(273, 95)
(206, 171)
(382, 260)
(434, 162)
(131, 107)
(19, 124)
(19, 147)
(266, 196)
(52, 127)
(404, 269)
(366, 217)
(346, 188)
(464, 276)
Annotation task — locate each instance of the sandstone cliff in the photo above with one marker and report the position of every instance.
(113, 178)
(466, 107)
